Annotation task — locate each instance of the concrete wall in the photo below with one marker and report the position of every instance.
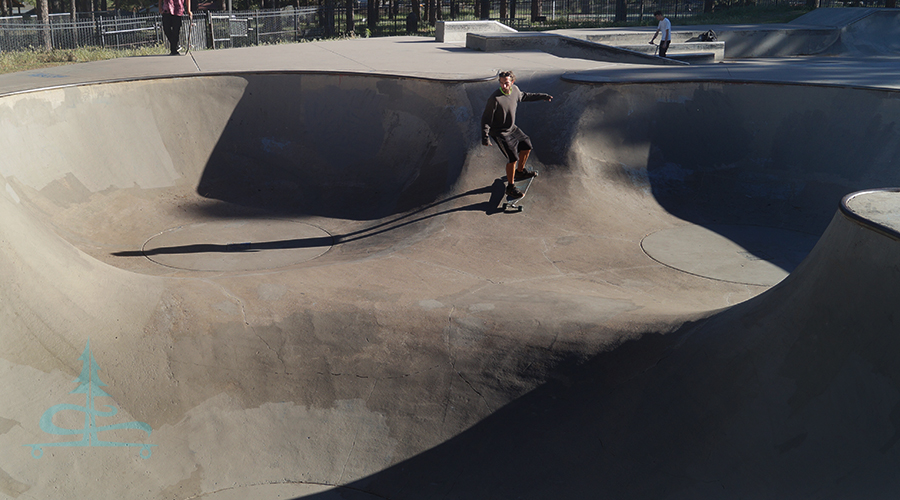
(455, 31)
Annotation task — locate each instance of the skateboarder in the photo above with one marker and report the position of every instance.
(665, 28)
(171, 11)
(499, 121)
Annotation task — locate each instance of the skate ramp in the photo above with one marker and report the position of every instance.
(381, 326)
(790, 394)
(861, 31)
(875, 34)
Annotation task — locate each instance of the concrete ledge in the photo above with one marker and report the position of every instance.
(740, 41)
(455, 31)
(694, 57)
(561, 46)
(679, 50)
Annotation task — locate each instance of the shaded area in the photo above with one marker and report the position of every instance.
(791, 394)
(152, 248)
(340, 146)
(718, 155)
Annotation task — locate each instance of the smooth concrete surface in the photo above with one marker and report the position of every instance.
(455, 31)
(715, 51)
(561, 46)
(850, 31)
(381, 330)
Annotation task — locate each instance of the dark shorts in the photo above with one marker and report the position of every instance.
(512, 143)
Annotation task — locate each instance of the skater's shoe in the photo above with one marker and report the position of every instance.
(513, 192)
(521, 175)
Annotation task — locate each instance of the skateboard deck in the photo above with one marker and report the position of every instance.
(514, 203)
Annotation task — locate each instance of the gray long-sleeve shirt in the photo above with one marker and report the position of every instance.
(499, 117)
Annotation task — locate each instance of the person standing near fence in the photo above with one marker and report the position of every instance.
(665, 28)
(172, 11)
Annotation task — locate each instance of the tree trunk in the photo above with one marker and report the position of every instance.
(621, 11)
(536, 8)
(503, 13)
(372, 16)
(350, 26)
(812, 4)
(709, 6)
(485, 9)
(43, 9)
(326, 17)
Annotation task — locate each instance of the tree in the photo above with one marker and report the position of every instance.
(621, 11)
(537, 7)
(372, 7)
(350, 26)
(43, 9)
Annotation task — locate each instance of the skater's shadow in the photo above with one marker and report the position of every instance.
(489, 207)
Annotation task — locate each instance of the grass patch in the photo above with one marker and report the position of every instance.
(25, 60)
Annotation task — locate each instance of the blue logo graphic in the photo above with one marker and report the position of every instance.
(90, 385)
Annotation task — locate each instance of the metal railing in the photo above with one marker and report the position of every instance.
(264, 27)
(332, 18)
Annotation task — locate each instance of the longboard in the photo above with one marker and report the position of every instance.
(513, 203)
(190, 30)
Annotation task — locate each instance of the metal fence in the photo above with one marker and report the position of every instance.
(335, 18)
(207, 30)
(264, 27)
(18, 33)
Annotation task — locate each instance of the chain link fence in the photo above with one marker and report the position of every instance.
(214, 30)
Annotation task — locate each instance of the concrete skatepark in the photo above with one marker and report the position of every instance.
(281, 272)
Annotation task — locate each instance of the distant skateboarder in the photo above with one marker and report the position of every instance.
(664, 28)
(499, 122)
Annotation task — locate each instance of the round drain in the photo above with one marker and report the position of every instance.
(237, 245)
(751, 255)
